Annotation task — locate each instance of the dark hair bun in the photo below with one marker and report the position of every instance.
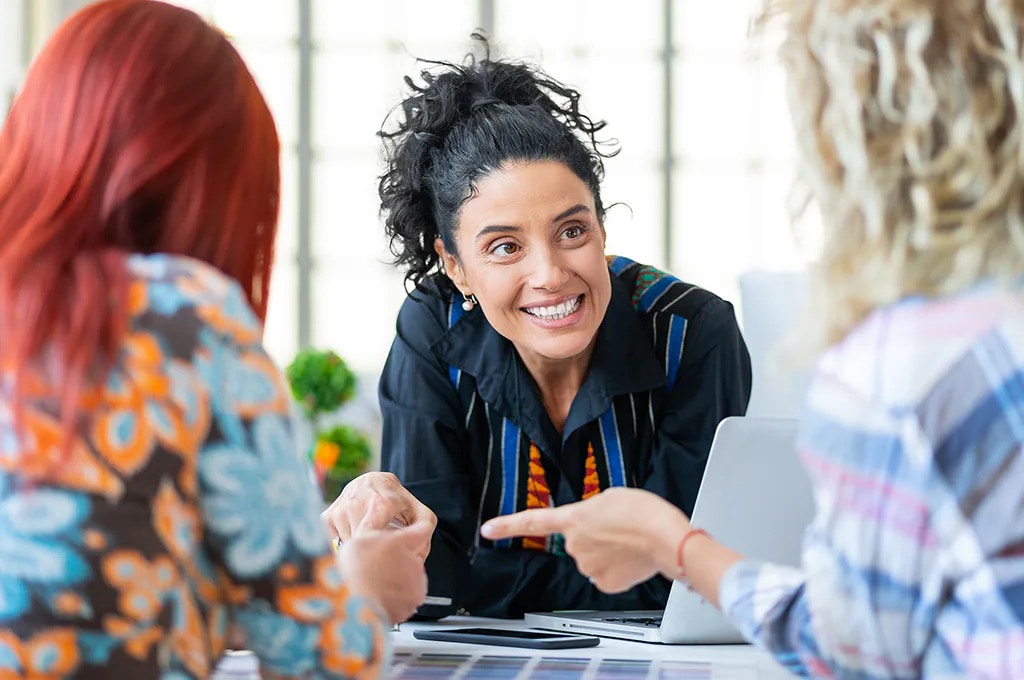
(462, 122)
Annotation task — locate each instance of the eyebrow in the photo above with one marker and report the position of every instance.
(492, 228)
(578, 208)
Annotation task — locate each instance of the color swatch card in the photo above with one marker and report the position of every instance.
(423, 666)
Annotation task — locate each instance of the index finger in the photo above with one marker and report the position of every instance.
(537, 522)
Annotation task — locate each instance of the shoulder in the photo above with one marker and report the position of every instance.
(657, 293)
(905, 352)
(175, 288)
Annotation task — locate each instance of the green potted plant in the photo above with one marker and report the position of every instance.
(321, 382)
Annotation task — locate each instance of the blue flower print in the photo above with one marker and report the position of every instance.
(227, 296)
(13, 598)
(157, 271)
(242, 383)
(358, 636)
(216, 364)
(95, 647)
(283, 645)
(166, 298)
(9, 658)
(38, 531)
(260, 501)
(175, 675)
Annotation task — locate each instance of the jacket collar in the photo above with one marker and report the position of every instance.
(624, 362)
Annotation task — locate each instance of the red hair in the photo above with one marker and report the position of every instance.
(139, 130)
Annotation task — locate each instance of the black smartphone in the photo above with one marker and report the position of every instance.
(508, 638)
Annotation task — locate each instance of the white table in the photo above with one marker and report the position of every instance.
(619, 659)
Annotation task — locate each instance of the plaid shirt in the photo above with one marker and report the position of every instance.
(914, 564)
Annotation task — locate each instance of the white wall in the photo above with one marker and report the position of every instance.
(24, 26)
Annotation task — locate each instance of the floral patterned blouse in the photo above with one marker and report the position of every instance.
(181, 508)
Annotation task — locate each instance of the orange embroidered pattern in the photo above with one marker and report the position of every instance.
(591, 484)
(538, 493)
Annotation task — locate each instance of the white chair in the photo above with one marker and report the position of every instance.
(772, 304)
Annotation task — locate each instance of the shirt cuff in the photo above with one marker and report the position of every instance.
(382, 639)
(750, 592)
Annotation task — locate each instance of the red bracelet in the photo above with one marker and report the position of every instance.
(682, 544)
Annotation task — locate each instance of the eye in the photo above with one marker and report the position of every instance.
(574, 231)
(504, 249)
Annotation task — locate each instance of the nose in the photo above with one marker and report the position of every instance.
(548, 270)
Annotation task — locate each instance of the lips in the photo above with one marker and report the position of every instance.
(555, 312)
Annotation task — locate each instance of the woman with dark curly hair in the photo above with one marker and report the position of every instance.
(530, 369)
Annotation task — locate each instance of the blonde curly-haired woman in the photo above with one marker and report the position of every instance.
(910, 117)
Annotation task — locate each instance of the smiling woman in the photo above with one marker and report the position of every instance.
(530, 369)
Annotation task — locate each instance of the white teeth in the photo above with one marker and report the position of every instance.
(556, 312)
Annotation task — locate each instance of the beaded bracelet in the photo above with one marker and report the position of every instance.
(682, 543)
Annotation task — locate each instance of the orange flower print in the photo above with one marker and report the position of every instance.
(349, 630)
(138, 298)
(288, 572)
(187, 411)
(146, 590)
(143, 588)
(49, 655)
(259, 388)
(177, 524)
(316, 601)
(69, 604)
(123, 432)
(41, 456)
(349, 640)
(217, 627)
(94, 540)
(221, 304)
(150, 399)
(188, 636)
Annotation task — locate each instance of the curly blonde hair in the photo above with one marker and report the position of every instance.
(910, 121)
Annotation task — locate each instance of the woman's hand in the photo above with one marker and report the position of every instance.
(386, 566)
(392, 505)
(619, 538)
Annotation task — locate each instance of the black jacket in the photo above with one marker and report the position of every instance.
(668, 365)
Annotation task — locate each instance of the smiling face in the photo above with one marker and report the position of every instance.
(531, 249)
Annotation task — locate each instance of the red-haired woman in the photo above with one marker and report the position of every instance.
(150, 491)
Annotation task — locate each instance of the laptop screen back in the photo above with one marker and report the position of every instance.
(755, 498)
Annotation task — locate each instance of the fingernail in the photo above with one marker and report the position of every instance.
(487, 531)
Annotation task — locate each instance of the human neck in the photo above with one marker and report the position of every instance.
(558, 381)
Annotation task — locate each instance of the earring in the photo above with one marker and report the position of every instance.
(469, 302)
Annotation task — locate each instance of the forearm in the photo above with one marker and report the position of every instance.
(292, 644)
(703, 563)
(770, 610)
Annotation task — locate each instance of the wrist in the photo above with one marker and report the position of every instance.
(684, 552)
(666, 532)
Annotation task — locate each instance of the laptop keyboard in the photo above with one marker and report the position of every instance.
(648, 621)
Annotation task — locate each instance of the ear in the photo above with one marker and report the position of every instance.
(452, 268)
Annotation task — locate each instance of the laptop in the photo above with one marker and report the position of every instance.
(755, 498)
